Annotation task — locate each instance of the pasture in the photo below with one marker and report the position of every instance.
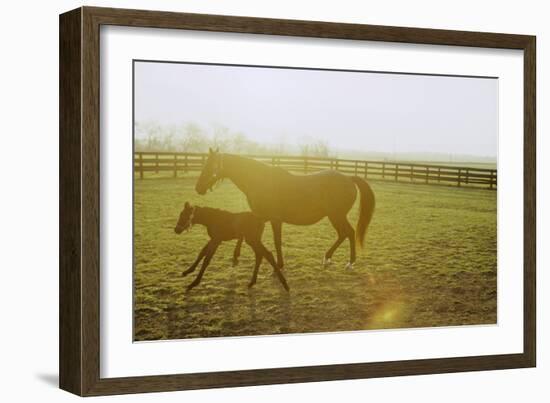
(429, 260)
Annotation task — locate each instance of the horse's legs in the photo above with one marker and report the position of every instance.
(237, 252)
(335, 246)
(351, 236)
(192, 268)
(256, 266)
(338, 226)
(269, 257)
(211, 249)
(344, 230)
(261, 251)
(277, 234)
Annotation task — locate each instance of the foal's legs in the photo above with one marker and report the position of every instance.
(277, 227)
(210, 250)
(192, 268)
(344, 230)
(237, 252)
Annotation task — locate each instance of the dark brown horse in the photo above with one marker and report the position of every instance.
(225, 226)
(278, 196)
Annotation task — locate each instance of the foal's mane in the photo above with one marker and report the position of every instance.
(214, 215)
(211, 210)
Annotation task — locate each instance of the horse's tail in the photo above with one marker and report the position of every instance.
(366, 208)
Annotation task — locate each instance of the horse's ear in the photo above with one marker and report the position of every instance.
(187, 205)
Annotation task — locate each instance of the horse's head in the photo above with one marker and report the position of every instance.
(185, 219)
(210, 172)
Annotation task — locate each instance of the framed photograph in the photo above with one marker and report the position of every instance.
(249, 201)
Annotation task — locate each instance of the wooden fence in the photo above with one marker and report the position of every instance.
(175, 163)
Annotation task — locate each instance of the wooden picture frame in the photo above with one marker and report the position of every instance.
(79, 348)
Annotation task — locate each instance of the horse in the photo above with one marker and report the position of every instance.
(277, 196)
(223, 226)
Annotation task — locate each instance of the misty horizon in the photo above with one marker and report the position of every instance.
(352, 112)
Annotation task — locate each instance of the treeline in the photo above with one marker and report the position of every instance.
(190, 137)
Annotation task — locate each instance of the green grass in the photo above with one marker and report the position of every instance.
(429, 260)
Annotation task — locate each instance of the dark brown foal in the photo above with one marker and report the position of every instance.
(225, 226)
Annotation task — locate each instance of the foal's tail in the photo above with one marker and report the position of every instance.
(367, 204)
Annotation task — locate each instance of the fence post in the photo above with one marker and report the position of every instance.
(140, 166)
(186, 164)
(175, 165)
(412, 174)
(427, 174)
(156, 163)
(467, 176)
(366, 169)
(355, 168)
(383, 170)
(439, 175)
(337, 165)
(491, 180)
(459, 176)
(396, 171)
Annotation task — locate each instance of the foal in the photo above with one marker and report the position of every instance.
(225, 226)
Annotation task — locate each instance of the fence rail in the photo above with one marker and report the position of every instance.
(460, 176)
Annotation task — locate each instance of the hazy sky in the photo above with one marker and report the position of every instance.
(350, 110)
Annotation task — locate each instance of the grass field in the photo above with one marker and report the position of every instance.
(429, 260)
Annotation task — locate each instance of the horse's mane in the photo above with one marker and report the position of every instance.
(255, 166)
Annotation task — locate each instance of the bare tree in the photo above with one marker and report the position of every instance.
(190, 137)
(314, 148)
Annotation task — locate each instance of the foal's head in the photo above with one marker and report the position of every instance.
(185, 219)
(210, 172)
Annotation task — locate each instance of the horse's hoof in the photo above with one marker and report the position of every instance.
(349, 266)
(235, 262)
(250, 285)
(326, 262)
